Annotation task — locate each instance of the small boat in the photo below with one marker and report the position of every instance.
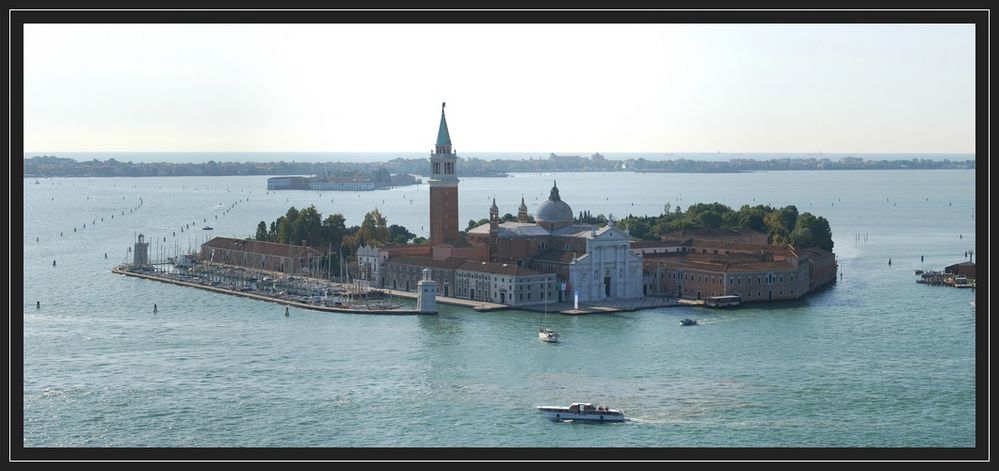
(687, 322)
(582, 411)
(544, 333)
(723, 301)
(962, 282)
(207, 228)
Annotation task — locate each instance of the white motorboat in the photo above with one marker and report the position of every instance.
(582, 411)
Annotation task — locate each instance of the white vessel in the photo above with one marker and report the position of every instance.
(582, 411)
(544, 333)
(547, 335)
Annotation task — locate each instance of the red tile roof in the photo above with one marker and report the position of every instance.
(498, 268)
(447, 263)
(261, 247)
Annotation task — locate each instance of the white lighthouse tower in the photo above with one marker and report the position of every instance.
(426, 301)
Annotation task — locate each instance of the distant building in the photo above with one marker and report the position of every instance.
(371, 261)
(339, 183)
(702, 268)
(404, 272)
(267, 256)
(966, 269)
(288, 183)
(594, 262)
(403, 179)
(343, 184)
(552, 258)
(500, 283)
(503, 283)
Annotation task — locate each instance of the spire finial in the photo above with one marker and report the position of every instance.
(442, 107)
(554, 194)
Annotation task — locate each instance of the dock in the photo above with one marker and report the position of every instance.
(481, 306)
(260, 297)
(605, 306)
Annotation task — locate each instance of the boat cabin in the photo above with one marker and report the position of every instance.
(723, 301)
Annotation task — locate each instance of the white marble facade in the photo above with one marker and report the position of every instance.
(609, 269)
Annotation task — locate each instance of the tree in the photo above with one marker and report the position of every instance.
(811, 231)
(334, 228)
(751, 217)
(309, 226)
(399, 235)
(639, 229)
(776, 231)
(373, 229)
(472, 223)
(710, 219)
(286, 227)
(272, 234)
(261, 231)
(789, 215)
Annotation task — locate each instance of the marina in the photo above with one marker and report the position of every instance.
(319, 302)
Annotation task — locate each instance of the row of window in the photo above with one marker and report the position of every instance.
(732, 280)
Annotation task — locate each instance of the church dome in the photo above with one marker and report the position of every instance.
(554, 209)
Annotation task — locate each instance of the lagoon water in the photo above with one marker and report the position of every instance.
(876, 360)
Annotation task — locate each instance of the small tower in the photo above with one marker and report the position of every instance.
(522, 211)
(493, 217)
(426, 300)
(141, 253)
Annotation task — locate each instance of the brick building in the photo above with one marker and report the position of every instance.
(267, 256)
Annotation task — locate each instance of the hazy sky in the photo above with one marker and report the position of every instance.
(518, 88)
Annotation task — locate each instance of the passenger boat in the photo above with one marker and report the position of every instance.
(207, 228)
(723, 301)
(582, 411)
(962, 282)
(686, 322)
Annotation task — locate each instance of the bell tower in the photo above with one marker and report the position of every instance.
(443, 188)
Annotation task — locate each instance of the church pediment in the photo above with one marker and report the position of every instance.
(611, 233)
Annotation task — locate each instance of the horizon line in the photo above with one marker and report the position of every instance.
(483, 152)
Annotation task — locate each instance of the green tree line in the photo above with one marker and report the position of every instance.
(781, 225)
(331, 233)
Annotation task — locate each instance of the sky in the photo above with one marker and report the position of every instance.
(893, 88)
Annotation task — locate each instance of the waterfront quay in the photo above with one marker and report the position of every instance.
(303, 292)
(299, 291)
(332, 296)
(606, 306)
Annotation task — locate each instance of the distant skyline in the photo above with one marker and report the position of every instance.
(606, 88)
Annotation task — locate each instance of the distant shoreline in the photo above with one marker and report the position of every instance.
(54, 166)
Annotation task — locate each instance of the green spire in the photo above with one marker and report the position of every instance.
(443, 138)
